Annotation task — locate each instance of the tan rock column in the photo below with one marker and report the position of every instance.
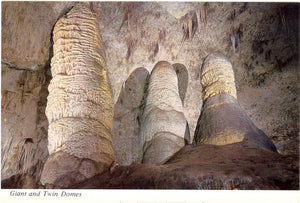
(163, 123)
(222, 120)
(80, 104)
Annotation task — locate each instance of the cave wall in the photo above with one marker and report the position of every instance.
(25, 75)
(20, 122)
(265, 62)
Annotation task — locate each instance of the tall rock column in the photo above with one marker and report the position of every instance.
(222, 120)
(163, 124)
(80, 104)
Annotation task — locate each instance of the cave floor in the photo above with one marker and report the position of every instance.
(206, 167)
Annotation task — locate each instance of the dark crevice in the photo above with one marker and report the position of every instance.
(28, 140)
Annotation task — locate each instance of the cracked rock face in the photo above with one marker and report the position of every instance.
(217, 77)
(80, 105)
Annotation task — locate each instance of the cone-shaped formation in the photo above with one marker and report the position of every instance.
(163, 123)
(222, 119)
(80, 105)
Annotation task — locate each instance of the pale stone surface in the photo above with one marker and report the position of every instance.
(183, 80)
(22, 143)
(129, 121)
(80, 104)
(177, 9)
(26, 28)
(163, 123)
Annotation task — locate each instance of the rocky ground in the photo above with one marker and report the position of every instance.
(260, 39)
(203, 167)
(207, 167)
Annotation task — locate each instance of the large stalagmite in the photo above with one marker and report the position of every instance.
(222, 120)
(163, 123)
(80, 105)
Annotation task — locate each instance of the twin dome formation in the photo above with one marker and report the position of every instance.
(80, 108)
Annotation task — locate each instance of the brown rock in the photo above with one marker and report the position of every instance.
(207, 167)
(20, 181)
(64, 170)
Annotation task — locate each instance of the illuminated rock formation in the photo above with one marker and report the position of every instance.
(222, 120)
(163, 123)
(80, 105)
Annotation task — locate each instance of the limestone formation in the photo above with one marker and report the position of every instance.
(163, 123)
(127, 117)
(217, 77)
(222, 120)
(80, 105)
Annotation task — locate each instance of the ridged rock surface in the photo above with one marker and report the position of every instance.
(80, 105)
(163, 123)
(127, 117)
(217, 77)
(222, 120)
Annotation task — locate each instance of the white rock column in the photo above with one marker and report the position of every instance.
(163, 123)
(80, 104)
